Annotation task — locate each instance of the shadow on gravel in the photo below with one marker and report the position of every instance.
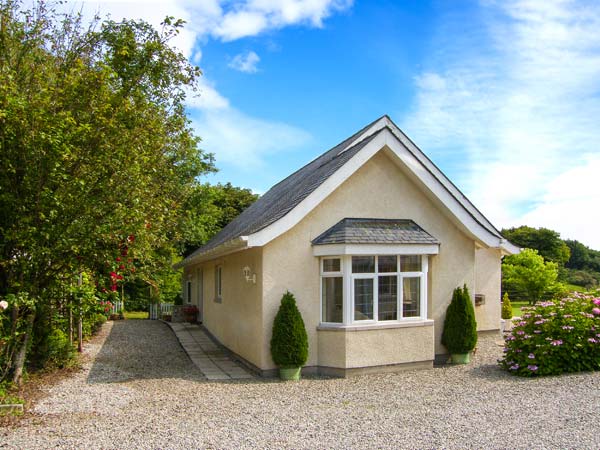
(141, 349)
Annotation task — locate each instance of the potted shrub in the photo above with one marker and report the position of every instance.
(190, 313)
(460, 328)
(289, 342)
(506, 312)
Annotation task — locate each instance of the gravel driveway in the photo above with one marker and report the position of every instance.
(139, 390)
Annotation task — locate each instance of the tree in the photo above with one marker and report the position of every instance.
(97, 156)
(209, 209)
(580, 255)
(547, 242)
(289, 342)
(526, 275)
(460, 328)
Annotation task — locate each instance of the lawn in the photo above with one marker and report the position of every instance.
(516, 308)
(136, 314)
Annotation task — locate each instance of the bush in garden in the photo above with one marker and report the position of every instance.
(289, 343)
(460, 328)
(506, 307)
(555, 337)
(59, 350)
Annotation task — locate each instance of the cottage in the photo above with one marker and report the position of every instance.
(371, 238)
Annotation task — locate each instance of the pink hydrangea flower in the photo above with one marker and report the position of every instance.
(532, 367)
(3, 304)
(531, 356)
(556, 343)
(596, 311)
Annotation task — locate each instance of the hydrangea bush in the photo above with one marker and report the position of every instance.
(555, 337)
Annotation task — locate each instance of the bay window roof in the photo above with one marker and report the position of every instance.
(375, 231)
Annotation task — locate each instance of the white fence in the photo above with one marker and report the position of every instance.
(156, 311)
(117, 307)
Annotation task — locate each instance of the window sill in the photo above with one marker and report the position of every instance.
(372, 326)
(218, 299)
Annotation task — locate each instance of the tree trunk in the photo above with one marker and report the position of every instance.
(19, 363)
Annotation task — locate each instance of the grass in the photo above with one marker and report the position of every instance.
(136, 314)
(516, 308)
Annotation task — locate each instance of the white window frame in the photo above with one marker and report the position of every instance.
(188, 290)
(348, 289)
(219, 283)
(339, 274)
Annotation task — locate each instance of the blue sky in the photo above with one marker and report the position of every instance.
(503, 95)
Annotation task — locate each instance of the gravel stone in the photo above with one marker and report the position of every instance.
(140, 390)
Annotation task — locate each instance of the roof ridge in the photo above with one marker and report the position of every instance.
(357, 134)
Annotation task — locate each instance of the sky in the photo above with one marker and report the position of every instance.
(503, 95)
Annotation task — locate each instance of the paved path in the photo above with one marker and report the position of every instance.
(212, 361)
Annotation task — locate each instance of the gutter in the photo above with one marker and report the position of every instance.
(232, 246)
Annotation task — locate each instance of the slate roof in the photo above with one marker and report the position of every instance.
(286, 194)
(375, 231)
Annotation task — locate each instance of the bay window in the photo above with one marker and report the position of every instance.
(369, 289)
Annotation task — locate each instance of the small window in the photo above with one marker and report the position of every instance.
(411, 297)
(363, 264)
(332, 265)
(333, 300)
(387, 263)
(363, 299)
(388, 298)
(218, 283)
(189, 292)
(411, 263)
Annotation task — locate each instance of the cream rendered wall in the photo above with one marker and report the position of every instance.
(237, 320)
(379, 189)
(488, 273)
(355, 348)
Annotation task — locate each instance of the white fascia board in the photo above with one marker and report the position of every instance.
(381, 123)
(456, 208)
(232, 246)
(448, 185)
(508, 248)
(375, 249)
(279, 227)
(398, 147)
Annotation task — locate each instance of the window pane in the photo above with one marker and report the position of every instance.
(410, 263)
(363, 264)
(388, 305)
(332, 265)
(333, 310)
(387, 263)
(411, 300)
(363, 299)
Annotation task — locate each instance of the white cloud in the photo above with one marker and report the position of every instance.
(515, 107)
(251, 17)
(245, 62)
(206, 97)
(152, 11)
(570, 204)
(245, 141)
(233, 136)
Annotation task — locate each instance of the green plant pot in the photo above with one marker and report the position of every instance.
(289, 373)
(461, 358)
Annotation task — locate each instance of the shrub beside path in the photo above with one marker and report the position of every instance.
(138, 389)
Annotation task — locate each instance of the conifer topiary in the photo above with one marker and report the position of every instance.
(506, 307)
(460, 328)
(289, 342)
